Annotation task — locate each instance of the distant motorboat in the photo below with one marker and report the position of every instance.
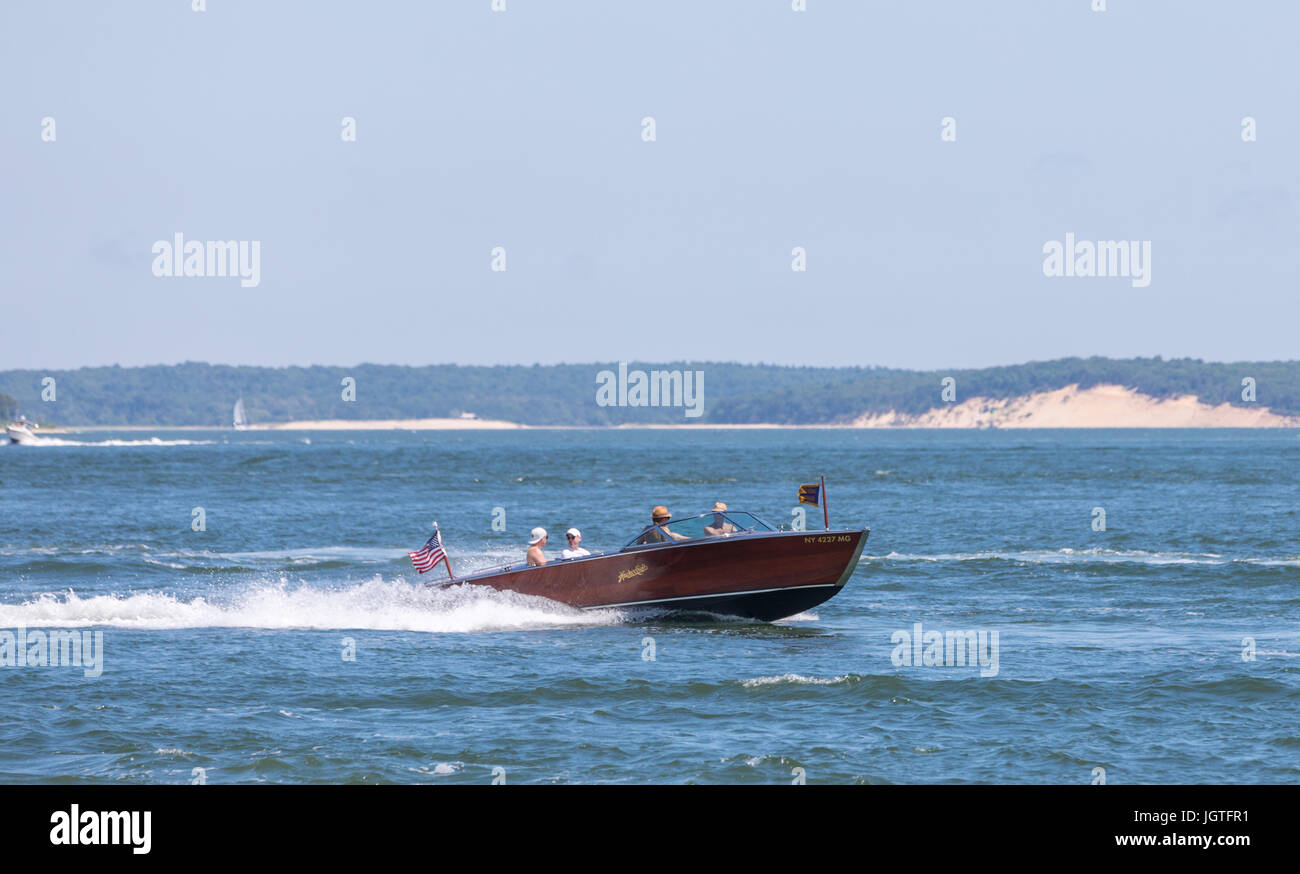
(241, 419)
(22, 431)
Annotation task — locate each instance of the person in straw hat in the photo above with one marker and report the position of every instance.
(656, 533)
(720, 525)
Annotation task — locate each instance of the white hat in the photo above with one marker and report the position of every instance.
(573, 531)
(537, 535)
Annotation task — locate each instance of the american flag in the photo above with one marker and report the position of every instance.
(430, 555)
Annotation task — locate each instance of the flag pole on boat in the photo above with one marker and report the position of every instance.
(431, 553)
(446, 559)
(814, 494)
(826, 513)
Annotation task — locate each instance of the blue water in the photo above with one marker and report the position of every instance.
(223, 649)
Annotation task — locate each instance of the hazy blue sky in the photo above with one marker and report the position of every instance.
(522, 129)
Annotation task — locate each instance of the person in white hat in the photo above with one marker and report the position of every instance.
(574, 549)
(537, 558)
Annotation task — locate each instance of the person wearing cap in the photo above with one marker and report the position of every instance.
(721, 525)
(656, 533)
(537, 558)
(574, 549)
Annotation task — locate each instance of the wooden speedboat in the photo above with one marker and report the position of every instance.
(753, 571)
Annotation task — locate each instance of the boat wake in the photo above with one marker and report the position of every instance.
(152, 441)
(374, 605)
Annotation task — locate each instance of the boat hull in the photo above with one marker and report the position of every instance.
(764, 576)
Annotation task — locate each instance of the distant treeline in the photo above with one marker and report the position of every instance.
(566, 394)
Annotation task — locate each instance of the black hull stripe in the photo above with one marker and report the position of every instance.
(713, 595)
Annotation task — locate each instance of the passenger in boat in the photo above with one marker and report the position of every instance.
(720, 524)
(659, 517)
(537, 558)
(574, 549)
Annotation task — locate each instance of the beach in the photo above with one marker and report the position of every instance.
(389, 425)
(1102, 406)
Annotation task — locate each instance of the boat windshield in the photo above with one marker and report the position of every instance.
(703, 525)
(748, 522)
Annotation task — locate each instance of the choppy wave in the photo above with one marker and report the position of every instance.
(1085, 556)
(439, 769)
(374, 605)
(801, 680)
(204, 558)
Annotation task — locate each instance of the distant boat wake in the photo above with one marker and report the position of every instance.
(152, 441)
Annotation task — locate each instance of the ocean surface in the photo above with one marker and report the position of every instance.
(1164, 648)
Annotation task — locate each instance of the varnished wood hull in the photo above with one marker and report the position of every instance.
(764, 576)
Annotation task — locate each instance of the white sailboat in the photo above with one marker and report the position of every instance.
(241, 420)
